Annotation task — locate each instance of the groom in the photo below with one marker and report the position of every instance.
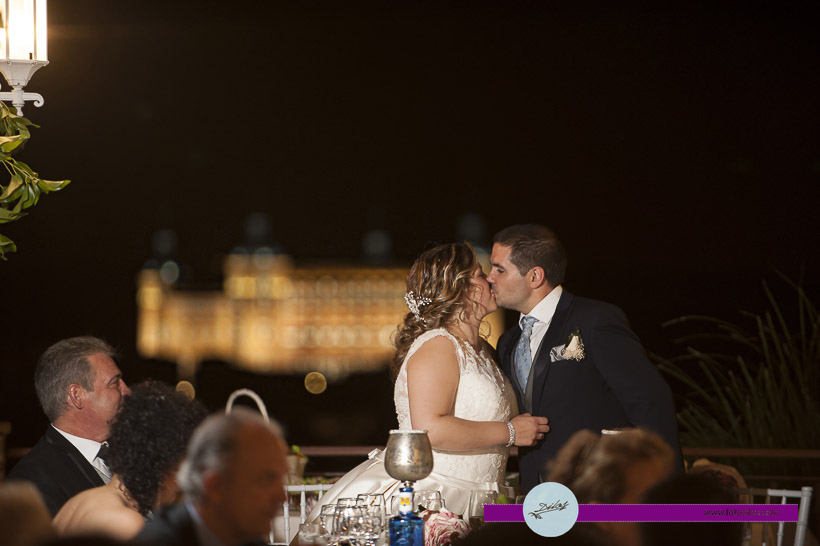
(570, 359)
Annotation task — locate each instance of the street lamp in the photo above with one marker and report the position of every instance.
(23, 47)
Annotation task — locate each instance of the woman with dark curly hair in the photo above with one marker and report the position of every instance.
(447, 382)
(147, 443)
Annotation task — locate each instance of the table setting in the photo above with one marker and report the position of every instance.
(408, 517)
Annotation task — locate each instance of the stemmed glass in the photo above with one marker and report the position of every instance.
(357, 525)
(348, 524)
(326, 520)
(428, 498)
(409, 455)
(476, 505)
(376, 512)
(374, 502)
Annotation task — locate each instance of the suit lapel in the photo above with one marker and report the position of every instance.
(61, 443)
(553, 337)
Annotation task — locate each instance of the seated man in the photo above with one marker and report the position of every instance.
(80, 389)
(148, 440)
(233, 479)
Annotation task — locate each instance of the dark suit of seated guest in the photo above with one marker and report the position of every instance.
(233, 480)
(80, 389)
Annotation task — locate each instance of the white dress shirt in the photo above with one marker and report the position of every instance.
(88, 449)
(543, 311)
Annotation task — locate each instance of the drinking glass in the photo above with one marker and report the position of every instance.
(309, 532)
(326, 515)
(375, 504)
(476, 505)
(351, 524)
(429, 499)
(370, 499)
(372, 525)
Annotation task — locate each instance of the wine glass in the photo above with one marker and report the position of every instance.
(309, 532)
(374, 502)
(429, 499)
(376, 509)
(476, 504)
(326, 515)
(349, 524)
(372, 525)
(370, 499)
(409, 455)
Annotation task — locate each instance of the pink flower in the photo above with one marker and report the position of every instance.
(443, 527)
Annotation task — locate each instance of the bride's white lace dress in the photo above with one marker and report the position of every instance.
(483, 394)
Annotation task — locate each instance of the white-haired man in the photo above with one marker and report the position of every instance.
(233, 479)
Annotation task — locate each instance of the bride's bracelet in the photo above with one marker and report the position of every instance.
(512, 434)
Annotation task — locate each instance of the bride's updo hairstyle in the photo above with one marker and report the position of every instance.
(442, 276)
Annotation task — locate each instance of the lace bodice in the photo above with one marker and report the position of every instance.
(484, 394)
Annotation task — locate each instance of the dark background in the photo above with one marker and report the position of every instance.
(674, 150)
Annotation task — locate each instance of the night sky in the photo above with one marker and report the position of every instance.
(676, 152)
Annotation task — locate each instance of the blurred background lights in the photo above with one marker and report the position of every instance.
(187, 389)
(169, 272)
(315, 383)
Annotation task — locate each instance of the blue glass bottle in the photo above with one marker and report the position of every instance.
(406, 529)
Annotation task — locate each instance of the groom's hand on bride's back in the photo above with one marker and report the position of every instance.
(530, 430)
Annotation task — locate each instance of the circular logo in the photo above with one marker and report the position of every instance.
(550, 509)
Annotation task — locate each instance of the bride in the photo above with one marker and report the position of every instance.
(447, 383)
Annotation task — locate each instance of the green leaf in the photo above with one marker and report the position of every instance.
(33, 195)
(20, 166)
(6, 245)
(27, 199)
(35, 191)
(14, 185)
(52, 185)
(9, 143)
(10, 215)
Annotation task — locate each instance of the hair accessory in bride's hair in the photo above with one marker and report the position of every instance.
(415, 303)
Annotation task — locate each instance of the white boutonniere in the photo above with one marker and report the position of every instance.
(574, 349)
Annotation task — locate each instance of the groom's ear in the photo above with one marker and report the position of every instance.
(536, 277)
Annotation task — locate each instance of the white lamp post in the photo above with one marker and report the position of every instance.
(23, 47)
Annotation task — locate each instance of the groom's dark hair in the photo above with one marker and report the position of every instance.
(531, 246)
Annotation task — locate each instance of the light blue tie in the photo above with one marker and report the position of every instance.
(523, 357)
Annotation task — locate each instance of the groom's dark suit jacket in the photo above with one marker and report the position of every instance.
(57, 468)
(613, 386)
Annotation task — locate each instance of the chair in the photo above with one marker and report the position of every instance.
(748, 496)
(302, 490)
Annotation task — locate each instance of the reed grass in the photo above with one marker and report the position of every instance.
(753, 387)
